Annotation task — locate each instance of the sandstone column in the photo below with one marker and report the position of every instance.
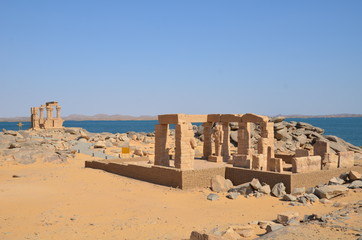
(34, 118)
(49, 112)
(225, 149)
(161, 140)
(244, 139)
(41, 114)
(58, 112)
(185, 144)
(207, 151)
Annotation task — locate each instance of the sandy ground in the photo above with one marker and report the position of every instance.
(68, 201)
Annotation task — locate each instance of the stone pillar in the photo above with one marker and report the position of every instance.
(207, 151)
(225, 149)
(185, 144)
(244, 139)
(267, 132)
(49, 112)
(161, 139)
(58, 112)
(41, 119)
(34, 118)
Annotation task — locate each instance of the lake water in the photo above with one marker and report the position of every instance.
(349, 129)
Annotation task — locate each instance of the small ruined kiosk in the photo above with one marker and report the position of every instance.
(39, 122)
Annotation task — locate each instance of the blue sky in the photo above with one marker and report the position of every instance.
(196, 57)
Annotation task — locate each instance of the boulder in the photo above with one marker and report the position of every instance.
(298, 191)
(100, 144)
(255, 184)
(355, 184)
(278, 190)
(212, 197)
(277, 119)
(233, 195)
(219, 184)
(14, 145)
(330, 191)
(353, 175)
(286, 217)
(243, 189)
(274, 227)
(335, 181)
(289, 197)
(265, 189)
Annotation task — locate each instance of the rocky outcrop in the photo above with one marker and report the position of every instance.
(290, 136)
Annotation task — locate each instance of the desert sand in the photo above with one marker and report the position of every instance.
(68, 201)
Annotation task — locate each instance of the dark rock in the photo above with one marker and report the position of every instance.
(274, 227)
(233, 195)
(212, 197)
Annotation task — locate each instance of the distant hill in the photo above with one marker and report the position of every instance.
(322, 116)
(106, 117)
(77, 117)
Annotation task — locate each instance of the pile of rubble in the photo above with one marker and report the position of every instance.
(322, 193)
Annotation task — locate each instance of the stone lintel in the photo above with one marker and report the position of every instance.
(230, 118)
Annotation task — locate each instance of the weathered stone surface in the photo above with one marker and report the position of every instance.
(255, 184)
(100, 144)
(285, 217)
(330, 191)
(265, 189)
(274, 227)
(355, 184)
(289, 197)
(243, 189)
(335, 181)
(306, 164)
(219, 184)
(353, 175)
(298, 191)
(278, 190)
(204, 236)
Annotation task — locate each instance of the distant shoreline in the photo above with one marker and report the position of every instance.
(105, 117)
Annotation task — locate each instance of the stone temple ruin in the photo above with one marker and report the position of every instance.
(37, 116)
(183, 170)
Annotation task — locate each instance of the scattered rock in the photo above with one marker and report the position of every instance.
(219, 184)
(255, 184)
(289, 197)
(265, 189)
(285, 217)
(298, 191)
(278, 190)
(353, 175)
(325, 201)
(100, 144)
(330, 191)
(212, 197)
(335, 181)
(243, 189)
(274, 227)
(355, 184)
(233, 195)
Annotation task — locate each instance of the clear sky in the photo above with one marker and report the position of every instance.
(190, 56)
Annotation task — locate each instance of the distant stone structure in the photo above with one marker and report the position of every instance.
(37, 116)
